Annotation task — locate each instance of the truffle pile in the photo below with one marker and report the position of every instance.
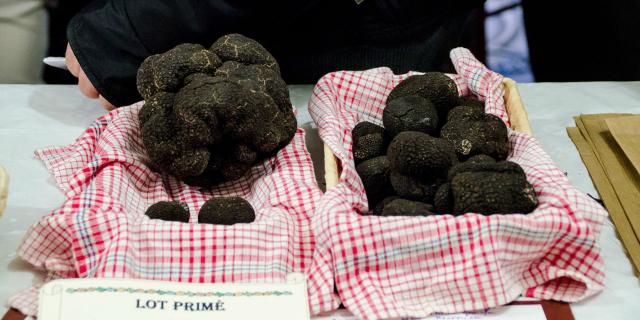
(210, 114)
(438, 154)
(222, 211)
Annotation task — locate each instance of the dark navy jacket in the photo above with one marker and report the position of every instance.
(309, 38)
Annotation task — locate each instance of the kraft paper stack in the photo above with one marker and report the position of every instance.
(609, 145)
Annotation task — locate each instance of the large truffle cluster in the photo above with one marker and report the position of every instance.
(438, 153)
(210, 114)
(221, 211)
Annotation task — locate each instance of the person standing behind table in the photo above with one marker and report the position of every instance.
(23, 40)
(60, 13)
(109, 39)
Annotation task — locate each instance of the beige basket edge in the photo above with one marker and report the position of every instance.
(4, 189)
(515, 110)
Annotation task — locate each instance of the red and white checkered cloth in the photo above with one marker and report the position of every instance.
(414, 266)
(101, 229)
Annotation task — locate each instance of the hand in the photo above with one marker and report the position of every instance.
(84, 84)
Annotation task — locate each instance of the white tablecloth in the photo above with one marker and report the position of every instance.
(32, 117)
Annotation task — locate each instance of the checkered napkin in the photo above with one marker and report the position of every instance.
(414, 266)
(101, 229)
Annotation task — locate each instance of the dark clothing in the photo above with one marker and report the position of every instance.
(60, 13)
(593, 40)
(309, 38)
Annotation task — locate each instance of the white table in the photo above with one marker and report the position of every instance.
(32, 117)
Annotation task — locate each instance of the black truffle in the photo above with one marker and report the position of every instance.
(168, 211)
(226, 211)
(470, 101)
(434, 86)
(477, 162)
(374, 174)
(480, 158)
(442, 201)
(463, 112)
(166, 71)
(418, 154)
(486, 188)
(257, 78)
(414, 189)
(207, 119)
(364, 128)
(472, 132)
(237, 47)
(368, 147)
(377, 210)
(403, 207)
(369, 141)
(410, 113)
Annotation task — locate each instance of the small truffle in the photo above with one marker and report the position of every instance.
(368, 147)
(434, 86)
(377, 210)
(403, 207)
(419, 154)
(472, 132)
(369, 141)
(374, 174)
(364, 128)
(168, 211)
(226, 211)
(414, 189)
(486, 188)
(410, 113)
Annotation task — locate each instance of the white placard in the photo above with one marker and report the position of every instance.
(108, 299)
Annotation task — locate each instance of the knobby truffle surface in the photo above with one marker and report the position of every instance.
(472, 132)
(410, 113)
(419, 154)
(415, 188)
(168, 211)
(369, 141)
(471, 101)
(486, 187)
(377, 210)
(374, 174)
(236, 47)
(210, 115)
(403, 207)
(226, 211)
(433, 86)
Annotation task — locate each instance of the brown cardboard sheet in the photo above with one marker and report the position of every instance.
(613, 174)
(626, 132)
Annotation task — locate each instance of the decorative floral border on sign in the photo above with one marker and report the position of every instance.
(180, 293)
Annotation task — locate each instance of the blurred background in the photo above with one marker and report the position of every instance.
(507, 50)
(528, 40)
